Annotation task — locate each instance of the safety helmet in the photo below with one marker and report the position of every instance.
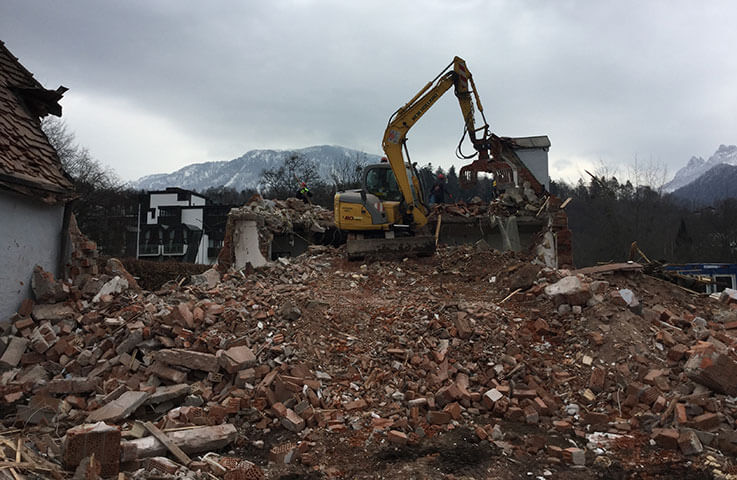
(304, 184)
(441, 176)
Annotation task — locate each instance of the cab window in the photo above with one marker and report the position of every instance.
(381, 182)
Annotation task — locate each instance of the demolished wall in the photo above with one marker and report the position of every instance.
(519, 220)
(261, 229)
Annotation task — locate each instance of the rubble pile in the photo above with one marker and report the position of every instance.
(522, 219)
(349, 370)
(283, 216)
(254, 226)
(513, 201)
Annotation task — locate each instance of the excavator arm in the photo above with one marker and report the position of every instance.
(403, 119)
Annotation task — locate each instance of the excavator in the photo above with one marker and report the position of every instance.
(388, 215)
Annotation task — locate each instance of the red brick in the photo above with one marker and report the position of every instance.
(26, 308)
(244, 470)
(706, 421)
(521, 393)
(595, 418)
(531, 415)
(666, 438)
(681, 415)
(596, 381)
(562, 425)
(454, 409)
(162, 464)
(236, 358)
(659, 404)
(355, 405)
(575, 456)
(435, 417)
(713, 370)
(279, 409)
(99, 439)
(283, 454)
(514, 414)
(292, 421)
(689, 443)
(396, 437)
(677, 352)
(24, 323)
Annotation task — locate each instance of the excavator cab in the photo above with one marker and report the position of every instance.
(379, 180)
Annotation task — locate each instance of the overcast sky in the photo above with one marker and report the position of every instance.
(156, 85)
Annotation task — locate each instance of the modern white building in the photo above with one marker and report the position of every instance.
(178, 224)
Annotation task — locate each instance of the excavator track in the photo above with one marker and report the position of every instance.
(400, 247)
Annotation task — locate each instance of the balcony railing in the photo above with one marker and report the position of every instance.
(174, 249)
(149, 250)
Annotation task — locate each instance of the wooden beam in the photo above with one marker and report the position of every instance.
(163, 438)
(437, 229)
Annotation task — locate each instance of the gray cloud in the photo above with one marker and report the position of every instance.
(158, 84)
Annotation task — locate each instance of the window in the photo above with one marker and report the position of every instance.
(167, 212)
(381, 182)
(724, 281)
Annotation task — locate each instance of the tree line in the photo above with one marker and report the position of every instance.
(606, 216)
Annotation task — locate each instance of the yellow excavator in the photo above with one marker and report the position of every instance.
(388, 214)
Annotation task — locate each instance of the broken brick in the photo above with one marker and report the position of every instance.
(714, 370)
(666, 438)
(436, 417)
(689, 443)
(396, 437)
(100, 440)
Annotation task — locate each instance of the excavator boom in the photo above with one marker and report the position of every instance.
(397, 220)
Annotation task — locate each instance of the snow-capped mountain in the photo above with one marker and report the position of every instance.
(245, 172)
(697, 166)
(717, 184)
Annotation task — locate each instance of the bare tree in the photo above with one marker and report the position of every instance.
(348, 172)
(88, 173)
(284, 181)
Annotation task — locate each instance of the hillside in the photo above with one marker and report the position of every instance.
(245, 171)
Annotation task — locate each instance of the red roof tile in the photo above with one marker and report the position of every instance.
(28, 163)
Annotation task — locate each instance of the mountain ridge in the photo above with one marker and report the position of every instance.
(718, 183)
(244, 172)
(697, 166)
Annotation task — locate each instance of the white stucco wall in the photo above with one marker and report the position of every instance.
(30, 234)
(192, 216)
(170, 200)
(202, 251)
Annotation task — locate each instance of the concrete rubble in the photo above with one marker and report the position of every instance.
(317, 365)
(518, 220)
